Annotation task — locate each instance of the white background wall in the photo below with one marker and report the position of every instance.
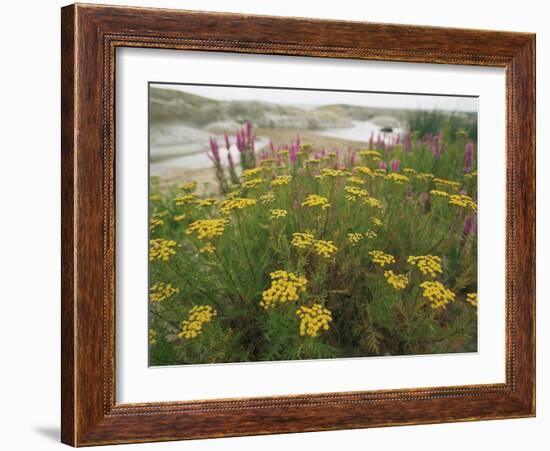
(29, 224)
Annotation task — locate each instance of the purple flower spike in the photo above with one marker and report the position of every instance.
(298, 140)
(240, 140)
(352, 159)
(214, 150)
(395, 164)
(437, 146)
(383, 165)
(249, 134)
(469, 157)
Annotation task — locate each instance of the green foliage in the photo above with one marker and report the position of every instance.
(249, 272)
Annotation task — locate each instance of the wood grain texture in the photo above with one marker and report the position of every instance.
(90, 36)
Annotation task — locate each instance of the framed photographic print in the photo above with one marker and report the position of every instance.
(279, 225)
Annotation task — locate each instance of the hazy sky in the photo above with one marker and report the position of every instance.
(306, 98)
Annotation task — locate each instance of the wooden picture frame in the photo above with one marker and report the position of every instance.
(90, 36)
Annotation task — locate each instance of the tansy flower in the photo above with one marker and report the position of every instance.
(437, 294)
(160, 214)
(410, 171)
(382, 259)
(233, 194)
(313, 319)
(370, 234)
(471, 298)
(312, 161)
(205, 202)
(354, 238)
(398, 281)
(363, 170)
(442, 183)
(208, 248)
(268, 162)
(207, 228)
(161, 291)
(281, 180)
(369, 153)
(436, 192)
(352, 193)
(324, 248)
(189, 187)
(249, 173)
(161, 249)
(397, 178)
(355, 180)
(377, 222)
(237, 203)
(154, 223)
(314, 200)
(302, 240)
(424, 176)
(154, 197)
(427, 264)
(463, 201)
(152, 336)
(330, 173)
(179, 218)
(253, 183)
(278, 213)
(184, 200)
(285, 287)
(267, 198)
(372, 202)
(197, 317)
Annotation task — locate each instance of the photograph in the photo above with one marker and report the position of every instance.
(290, 224)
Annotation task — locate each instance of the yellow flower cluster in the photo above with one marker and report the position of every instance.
(197, 317)
(397, 178)
(325, 172)
(470, 175)
(427, 264)
(161, 291)
(352, 193)
(312, 161)
(370, 234)
(152, 336)
(471, 298)
(314, 200)
(161, 249)
(278, 213)
(363, 170)
(189, 187)
(285, 287)
(238, 203)
(324, 248)
(463, 201)
(382, 259)
(410, 171)
(355, 238)
(380, 173)
(436, 192)
(313, 319)
(184, 200)
(249, 173)
(372, 202)
(154, 223)
(302, 240)
(355, 180)
(179, 218)
(377, 222)
(233, 194)
(267, 162)
(398, 281)
(281, 180)
(424, 176)
(154, 197)
(208, 248)
(369, 153)
(253, 183)
(267, 198)
(437, 294)
(442, 183)
(205, 202)
(207, 228)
